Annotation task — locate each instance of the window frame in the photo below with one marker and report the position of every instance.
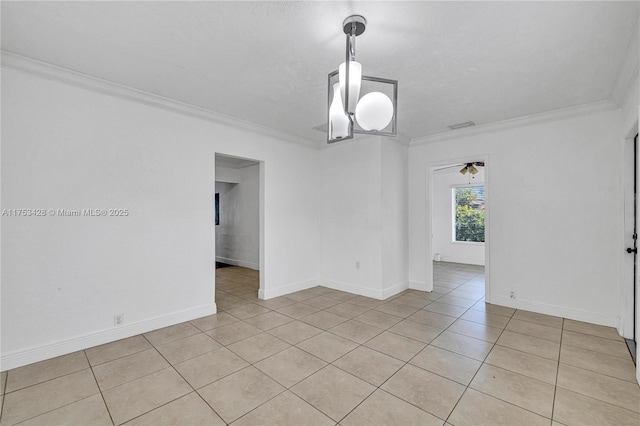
(453, 188)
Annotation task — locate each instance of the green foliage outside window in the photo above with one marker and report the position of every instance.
(469, 224)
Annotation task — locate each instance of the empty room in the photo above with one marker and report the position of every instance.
(320, 213)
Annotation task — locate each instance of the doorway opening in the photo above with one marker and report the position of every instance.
(238, 222)
(458, 222)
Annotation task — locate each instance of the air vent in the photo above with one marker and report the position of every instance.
(462, 125)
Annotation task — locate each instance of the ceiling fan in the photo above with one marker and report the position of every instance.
(467, 167)
(470, 167)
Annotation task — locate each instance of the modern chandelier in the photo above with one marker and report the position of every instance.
(375, 112)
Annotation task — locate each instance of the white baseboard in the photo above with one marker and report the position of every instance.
(336, 285)
(366, 291)
(63, 347)
(415, 285)
(465, 261)
(395, 289)
(558, 311)
(236, 262)
(284, 290)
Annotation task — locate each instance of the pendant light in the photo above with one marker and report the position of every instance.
(373, 113)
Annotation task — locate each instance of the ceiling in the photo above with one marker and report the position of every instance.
(267, 62)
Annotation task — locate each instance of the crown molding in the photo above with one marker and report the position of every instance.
(98, 85)
(402, 139)
(399, 139)
(629, 69)
(528, 120)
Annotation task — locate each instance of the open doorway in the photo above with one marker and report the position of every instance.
(237, 230)
(458, 208)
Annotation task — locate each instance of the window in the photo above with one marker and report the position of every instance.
(468, 214)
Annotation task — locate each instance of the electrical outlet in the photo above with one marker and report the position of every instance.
(118, 319)
(357, 265)
(512, 294)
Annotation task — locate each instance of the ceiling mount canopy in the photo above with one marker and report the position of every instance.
(358, 20)
(375, 112)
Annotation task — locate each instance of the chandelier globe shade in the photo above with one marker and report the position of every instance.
(374, 111)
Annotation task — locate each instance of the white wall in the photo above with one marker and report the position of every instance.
(626, 90)
(450, 251)
(64, 278)
(228, 174)
(363, 212)
(394, 216)
(238, 234)
(350, 212)
(556, 239)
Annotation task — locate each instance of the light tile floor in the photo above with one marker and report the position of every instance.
(322, 356)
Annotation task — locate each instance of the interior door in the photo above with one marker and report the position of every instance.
(635, 244)
(631, 201)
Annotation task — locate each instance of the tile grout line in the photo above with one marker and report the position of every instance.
(388, 378)
(476, 373)
(396, 372)
(509, 403)
(70, 403)
(4, 393)
(120, 357)
(523, 352)
(44, 381)
(141, 377)
(131, 354)
(57, 408)
(332, 362)
(98, 386)
(594, 335)
(270, 399)
(295, 345)
(593, 371)
(181, 376)
(404, 365)
(590, 370)
(315, 372)
(385, 381)
(600, 374)
(555, 387)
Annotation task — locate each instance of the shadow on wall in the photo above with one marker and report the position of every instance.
(237, 229)
(226, 219)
